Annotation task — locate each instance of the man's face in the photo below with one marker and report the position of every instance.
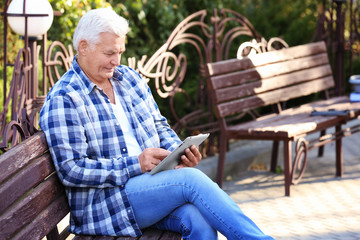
(99, 63)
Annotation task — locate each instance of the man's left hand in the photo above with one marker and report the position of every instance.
(191, 158)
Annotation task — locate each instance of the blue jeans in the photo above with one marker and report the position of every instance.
(187, 201)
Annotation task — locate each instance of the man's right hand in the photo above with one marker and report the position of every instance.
(151, 157)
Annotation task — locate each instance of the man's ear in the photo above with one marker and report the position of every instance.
(83, 47)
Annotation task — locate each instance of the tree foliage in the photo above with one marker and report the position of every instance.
(71, 11)
(294, 21)
(152, 21)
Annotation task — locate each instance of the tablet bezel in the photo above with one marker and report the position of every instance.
(173, 159)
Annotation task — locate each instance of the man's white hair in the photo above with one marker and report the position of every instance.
(97, 21)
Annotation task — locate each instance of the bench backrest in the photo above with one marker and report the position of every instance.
(32, 199)
(238, 85)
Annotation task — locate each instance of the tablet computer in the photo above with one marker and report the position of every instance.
(173, 159)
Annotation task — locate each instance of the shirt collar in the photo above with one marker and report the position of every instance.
(118, 75)
(88, 83)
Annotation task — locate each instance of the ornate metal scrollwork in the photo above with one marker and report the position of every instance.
(167, 77)
(227, 34)
(254, 47)
(300, 160)
(59, 60)
(11, 135)
(168, 70)
(24, 106)
(15, 100)
(18, 130)
(165, 68)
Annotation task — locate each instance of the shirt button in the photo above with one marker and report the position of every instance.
(122, 185)
(124, 149)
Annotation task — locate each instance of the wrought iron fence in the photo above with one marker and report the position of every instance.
(211, 37)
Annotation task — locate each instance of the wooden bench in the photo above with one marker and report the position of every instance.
(242, 86)
(32, 199)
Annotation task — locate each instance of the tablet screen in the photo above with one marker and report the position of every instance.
(173, 159)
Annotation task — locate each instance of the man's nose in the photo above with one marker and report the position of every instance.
(115, 60)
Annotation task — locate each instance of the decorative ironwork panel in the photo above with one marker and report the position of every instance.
(213, 38)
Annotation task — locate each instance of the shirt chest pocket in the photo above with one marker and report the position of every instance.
(144, 117)
(101, 129)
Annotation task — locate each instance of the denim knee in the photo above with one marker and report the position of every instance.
(194, 176)
(193, 224)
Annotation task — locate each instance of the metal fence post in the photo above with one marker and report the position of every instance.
(340, 51)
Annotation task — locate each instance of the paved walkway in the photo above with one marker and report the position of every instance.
(321, 206)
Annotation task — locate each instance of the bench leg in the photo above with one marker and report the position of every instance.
(274, 156)
(339, 153)
(221, 159)
(287, 166)
(321, 148)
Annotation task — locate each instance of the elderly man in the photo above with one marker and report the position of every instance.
(105, 132)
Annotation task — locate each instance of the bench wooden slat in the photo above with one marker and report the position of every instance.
(298, 118)
(25, 180)
(268, 98)
(231, 65)
(295, 116)
(81, 237)
(29, 207)
(261, 73)
(112, 238)
(148, 234)
(156, 234)
(171, 236)
(19, 156)
(46, 221)
(284, 128)
(152, 234)
(247, 89)
(293, 65)
(122, 238)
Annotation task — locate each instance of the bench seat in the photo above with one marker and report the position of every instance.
(295, 122)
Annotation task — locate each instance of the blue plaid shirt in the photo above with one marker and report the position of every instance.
(89, 150)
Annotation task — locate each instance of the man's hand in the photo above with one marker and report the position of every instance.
(191, 158)
(151, 157)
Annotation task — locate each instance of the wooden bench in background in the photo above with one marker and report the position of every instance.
(32, 199)
(242, 86)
